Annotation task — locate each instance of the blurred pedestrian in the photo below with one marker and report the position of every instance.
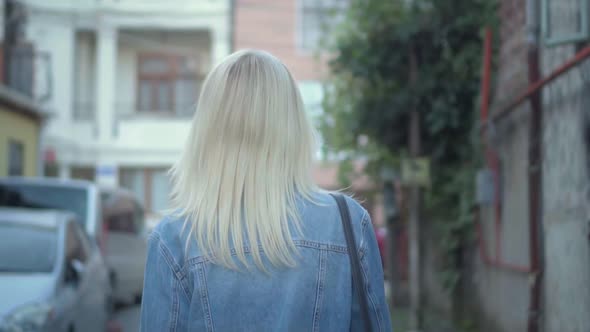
(253, 244)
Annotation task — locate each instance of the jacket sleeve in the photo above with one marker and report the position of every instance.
(372, 269)
(161, 300)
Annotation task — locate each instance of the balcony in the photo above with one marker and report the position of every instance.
(160, 72)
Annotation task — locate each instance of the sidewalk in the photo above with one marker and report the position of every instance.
(432, 322)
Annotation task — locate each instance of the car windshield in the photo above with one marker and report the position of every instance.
(25, 248)
(44, 196)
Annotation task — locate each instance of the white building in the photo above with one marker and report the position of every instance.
(125, 77)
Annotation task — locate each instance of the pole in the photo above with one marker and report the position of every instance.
(535, 183)
(414, 220)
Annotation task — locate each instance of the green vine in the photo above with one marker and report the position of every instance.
(369, 96)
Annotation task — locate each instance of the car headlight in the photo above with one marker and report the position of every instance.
(31, 317)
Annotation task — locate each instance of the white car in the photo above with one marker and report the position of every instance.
(77, 196)
(126, 243)
(50, 277)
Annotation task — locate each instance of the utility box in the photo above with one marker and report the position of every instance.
(484, 187)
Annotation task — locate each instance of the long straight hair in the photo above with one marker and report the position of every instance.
(248, 156)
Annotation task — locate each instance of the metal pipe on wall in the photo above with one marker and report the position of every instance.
(534, 167)
(493, 162)
(533, 94)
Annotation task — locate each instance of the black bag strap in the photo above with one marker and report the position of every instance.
(355, 262)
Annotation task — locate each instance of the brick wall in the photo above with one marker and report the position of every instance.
(272, 25)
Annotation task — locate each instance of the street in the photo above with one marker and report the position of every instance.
(128, 318)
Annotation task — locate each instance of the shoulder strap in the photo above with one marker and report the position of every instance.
(355, 262)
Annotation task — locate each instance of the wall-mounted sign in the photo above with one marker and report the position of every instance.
(416, 171)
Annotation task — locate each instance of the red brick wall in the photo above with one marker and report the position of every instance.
(271, 25)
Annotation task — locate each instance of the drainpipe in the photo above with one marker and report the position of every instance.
(534, 167)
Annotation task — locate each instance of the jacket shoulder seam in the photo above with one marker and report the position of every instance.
(175, 268)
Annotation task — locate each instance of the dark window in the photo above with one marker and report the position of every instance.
(123, 213)
(83, 173)
(21, 69)
(167, 83)
(123, 223)
(16, 158)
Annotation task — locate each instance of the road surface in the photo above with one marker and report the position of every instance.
(128, 318)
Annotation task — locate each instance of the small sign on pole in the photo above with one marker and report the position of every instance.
(416, 171)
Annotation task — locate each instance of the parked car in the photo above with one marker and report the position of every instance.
(126, 243)
(50, 278)
(77, 196)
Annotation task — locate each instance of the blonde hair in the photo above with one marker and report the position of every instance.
(248, 156)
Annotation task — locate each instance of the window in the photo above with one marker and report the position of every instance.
(83, 173)
(41, 196)
(21, 73)
(160, 190)
(16, 158)
(318, 17)
(167, 83)
(150, 186)
(564, 21)
(133, 179)
(25, 248)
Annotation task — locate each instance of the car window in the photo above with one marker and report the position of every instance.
(122, 222)
(26, 248)
(74, 247)
(45, 196)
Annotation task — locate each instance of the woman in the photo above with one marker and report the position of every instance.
(254, 245)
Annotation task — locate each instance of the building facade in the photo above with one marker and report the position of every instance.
(22, 118)
(293, 31)
(503, 292)
(21, 123)
(125, 77)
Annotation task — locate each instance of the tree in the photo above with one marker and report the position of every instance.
(369, 95)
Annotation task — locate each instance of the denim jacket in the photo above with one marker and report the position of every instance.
(183, 291)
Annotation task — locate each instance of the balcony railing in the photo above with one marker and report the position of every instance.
(127, 110)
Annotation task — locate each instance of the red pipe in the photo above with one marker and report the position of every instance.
(537, 85)
(535, 187)
(493, 162)
(487, 259)
(486, 74)
(492, 158)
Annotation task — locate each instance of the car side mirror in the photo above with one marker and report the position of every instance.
(74, 271)
(78, 266)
